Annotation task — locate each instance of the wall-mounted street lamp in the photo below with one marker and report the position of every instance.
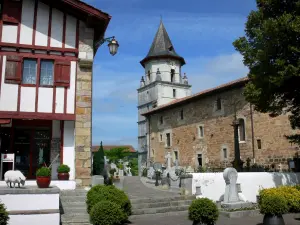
(113, 44)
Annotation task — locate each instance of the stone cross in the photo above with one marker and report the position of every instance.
(231, 193)
(168, 157)
(106, 161)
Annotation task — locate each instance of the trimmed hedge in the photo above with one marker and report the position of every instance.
(108, 193)
(291, 195)
(203, 211)
(107, 213)
(4, 217)
(273, 204)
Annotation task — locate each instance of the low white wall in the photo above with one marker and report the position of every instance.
(213, 184)
(61, 184)
(35, 219)
(20, 202)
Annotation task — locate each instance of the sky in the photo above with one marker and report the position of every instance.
(202, 31)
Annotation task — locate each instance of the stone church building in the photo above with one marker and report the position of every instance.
(197, 129)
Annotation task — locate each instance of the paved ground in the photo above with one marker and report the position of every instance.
(136, 189)
(293, 219)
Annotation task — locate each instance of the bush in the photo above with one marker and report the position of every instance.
(203, 211)
(4, 218)
(112, 171)
(63, 169)
(107, 213)
(290, 193)
(273, 204)
(110, 193)
(43, 172)
(145, 172)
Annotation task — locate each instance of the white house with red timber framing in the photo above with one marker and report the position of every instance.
(47, 49)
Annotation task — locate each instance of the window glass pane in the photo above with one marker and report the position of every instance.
(46, 77)
(29, 71)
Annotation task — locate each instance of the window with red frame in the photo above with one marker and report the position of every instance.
(24, 70)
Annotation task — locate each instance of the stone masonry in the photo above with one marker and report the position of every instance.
(218, 132)
(83, 125)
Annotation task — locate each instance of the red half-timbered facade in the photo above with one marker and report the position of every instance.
(40, 49)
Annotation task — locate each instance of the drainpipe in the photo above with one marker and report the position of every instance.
(252, 130)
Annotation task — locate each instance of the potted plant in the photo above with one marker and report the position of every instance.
(203, 211)
(63, 172)
(43, 177)
(273, 206)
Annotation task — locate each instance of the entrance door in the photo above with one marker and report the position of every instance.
(22, 145)
(32, 149)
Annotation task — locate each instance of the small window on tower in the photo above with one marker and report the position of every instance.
(161, 120)
(219, 104)
(258, 143)
(148, 76)
(174, 93)
(172, 75)
(181, 114)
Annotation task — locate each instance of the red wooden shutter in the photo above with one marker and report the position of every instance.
(12, 11)
(62, 73)
(13, 69)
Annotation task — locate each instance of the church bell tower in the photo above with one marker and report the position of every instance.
(162, 83)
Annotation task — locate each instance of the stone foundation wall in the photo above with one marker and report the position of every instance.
(218, 133)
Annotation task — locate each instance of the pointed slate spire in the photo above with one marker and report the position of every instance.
(162, 46)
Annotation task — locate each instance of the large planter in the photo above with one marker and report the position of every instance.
(43, 182)
(273, 220)
(63, 176)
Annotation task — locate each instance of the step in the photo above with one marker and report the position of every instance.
(158, 215)
(73, 198)
(159, 210)
(155, 200)
(161, 204)
(73, 193)
(70, 204)
(74, 209)
(75, 218)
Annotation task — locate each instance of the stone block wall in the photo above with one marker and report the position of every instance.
(83, 124)
(218, 133)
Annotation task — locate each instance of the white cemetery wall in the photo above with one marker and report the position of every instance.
(213, 184)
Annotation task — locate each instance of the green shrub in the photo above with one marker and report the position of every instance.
(290, 193)
(98, 161)
(63, 169)
(4, 218)
(110, 193)
(145, 172)
(273, 204)
(203, 211)
(107, 213)
(43, 172)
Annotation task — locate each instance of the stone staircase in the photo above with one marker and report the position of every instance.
(73, 206)
(159, 205)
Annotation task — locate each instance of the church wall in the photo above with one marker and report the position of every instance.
(218, 133)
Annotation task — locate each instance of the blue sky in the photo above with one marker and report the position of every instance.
(201, 31)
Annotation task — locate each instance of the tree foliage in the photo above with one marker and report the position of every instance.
(98, 161)
(115, 154)
(271, 51)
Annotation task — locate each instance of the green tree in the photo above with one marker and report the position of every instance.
(115, 154)
(98, 161)
(271, 51)
(133, 163)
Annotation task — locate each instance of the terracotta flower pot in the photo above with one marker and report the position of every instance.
(43, 182)
(63, 176)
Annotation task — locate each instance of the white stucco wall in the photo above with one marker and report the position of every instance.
(27, 22)
(41, 34)
(71, 90)
(69, 147)
(45, 100)
(59, 100)
(27, 101)
(9, 33)
(57, 28)
(213, 184)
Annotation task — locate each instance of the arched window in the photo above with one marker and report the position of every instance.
(172, 75)
(242, 132)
